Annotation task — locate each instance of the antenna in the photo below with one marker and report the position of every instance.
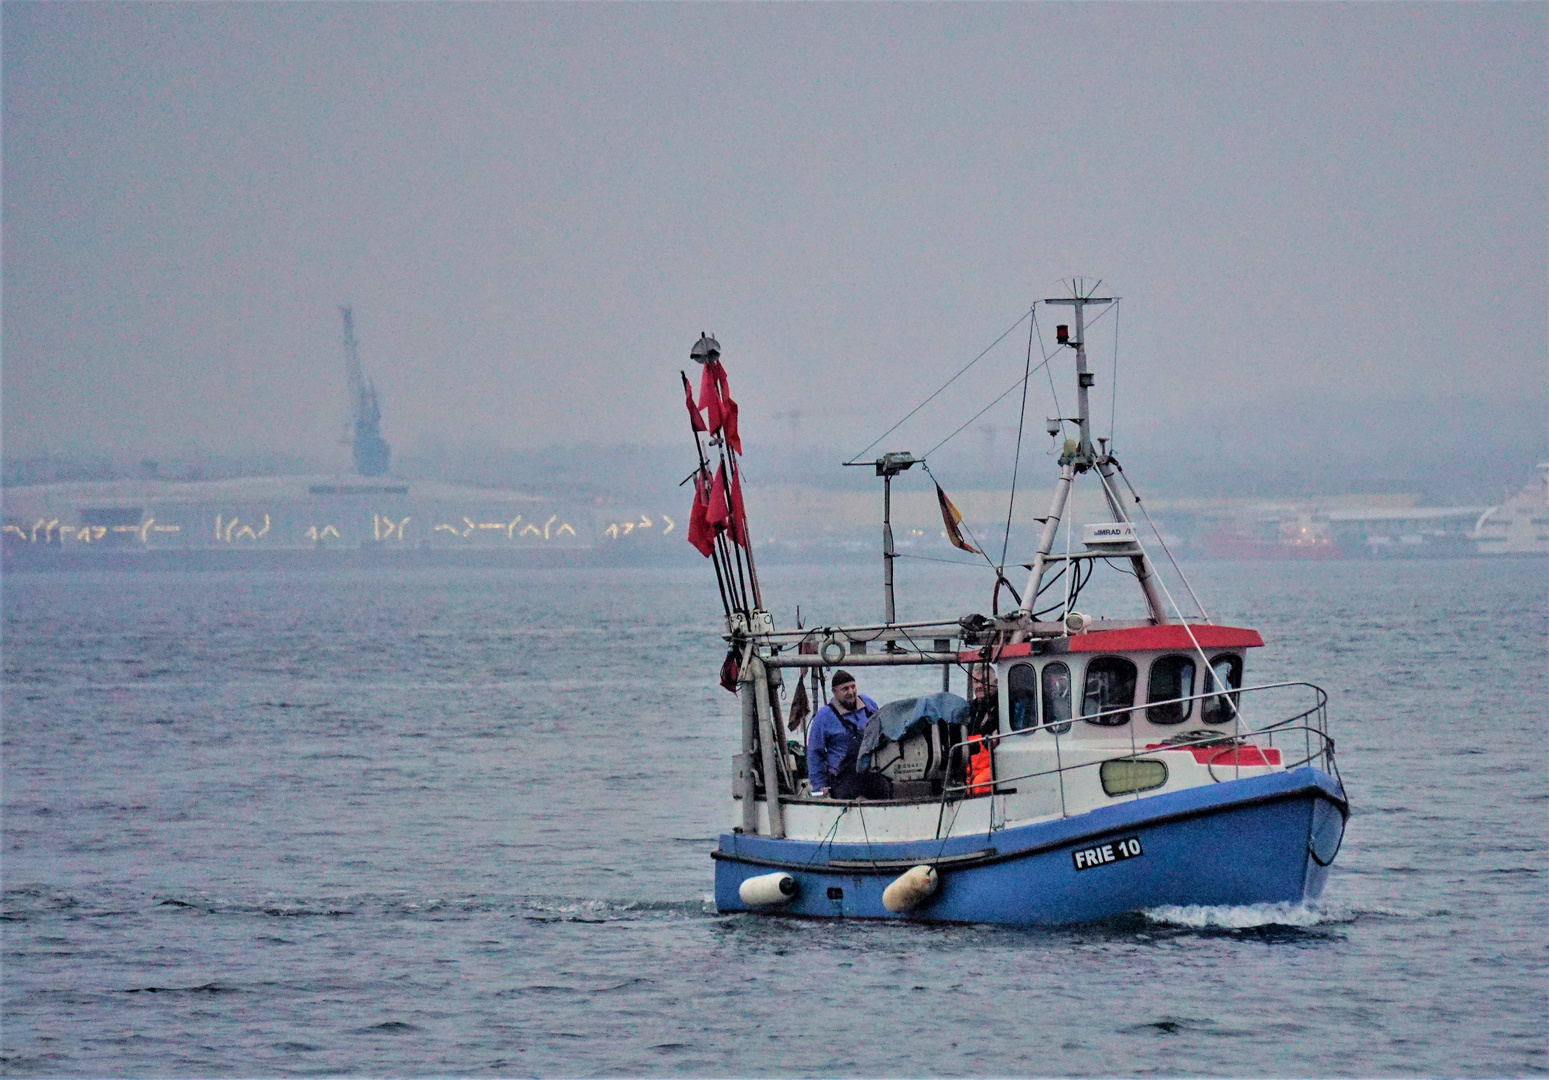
(888, 466)
(1080, 455)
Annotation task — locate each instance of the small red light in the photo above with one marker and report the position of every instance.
(1062, 334)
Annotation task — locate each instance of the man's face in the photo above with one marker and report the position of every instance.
(847, 694)
(983, 686)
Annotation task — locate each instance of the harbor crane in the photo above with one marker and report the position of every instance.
(371, 450)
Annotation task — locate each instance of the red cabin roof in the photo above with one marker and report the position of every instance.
(1139, 638)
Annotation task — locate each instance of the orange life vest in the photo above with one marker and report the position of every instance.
(980, 780)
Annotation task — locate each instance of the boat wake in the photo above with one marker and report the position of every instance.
(1247, 916)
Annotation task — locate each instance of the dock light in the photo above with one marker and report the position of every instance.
(1062, 334)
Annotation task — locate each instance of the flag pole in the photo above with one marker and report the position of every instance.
(700, 477)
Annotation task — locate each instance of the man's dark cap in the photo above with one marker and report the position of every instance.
(840, 678)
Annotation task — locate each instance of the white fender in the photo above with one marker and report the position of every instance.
(767, 889)
(911, 889)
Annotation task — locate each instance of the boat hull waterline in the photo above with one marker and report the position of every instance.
(1258, 840)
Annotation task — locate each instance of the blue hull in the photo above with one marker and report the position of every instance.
(1263, 839)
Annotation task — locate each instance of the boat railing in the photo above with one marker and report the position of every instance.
(1306, 724)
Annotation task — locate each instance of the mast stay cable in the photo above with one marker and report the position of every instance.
(1016, 461)
(856, 457)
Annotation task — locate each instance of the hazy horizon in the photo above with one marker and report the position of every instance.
(1328, 225)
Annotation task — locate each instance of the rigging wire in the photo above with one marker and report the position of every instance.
(933, 558)
(1009, 390)
(1048, 371)
(1016, 462)
(966, 527)
(1113, 397)
(1159, 539)
(853, 460)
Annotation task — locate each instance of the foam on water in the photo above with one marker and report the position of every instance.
(1244, 916)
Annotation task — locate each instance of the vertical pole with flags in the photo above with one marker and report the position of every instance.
(721, 421)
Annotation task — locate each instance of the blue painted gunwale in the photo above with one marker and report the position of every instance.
(1240, 841)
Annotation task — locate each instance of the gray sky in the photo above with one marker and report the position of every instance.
(536, 208)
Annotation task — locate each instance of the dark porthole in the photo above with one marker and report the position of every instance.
(1022, 685)
(1172, 677)
(1109, 691)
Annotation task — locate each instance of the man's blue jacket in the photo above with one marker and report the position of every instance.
(829, 740)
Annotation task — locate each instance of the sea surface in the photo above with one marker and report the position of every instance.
(459, 822)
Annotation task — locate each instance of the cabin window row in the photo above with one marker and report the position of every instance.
(1108, 692)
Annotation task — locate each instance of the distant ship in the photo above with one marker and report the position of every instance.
(1520, 525)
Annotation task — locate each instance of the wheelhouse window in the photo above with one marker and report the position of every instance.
(1172, 677)
(1110, 689)
(1022, 685)
(1225, 673)
(1056, 697)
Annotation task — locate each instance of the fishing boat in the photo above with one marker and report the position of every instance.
(1105, 766)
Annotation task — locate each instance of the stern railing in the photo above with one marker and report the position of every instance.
(1307, 724)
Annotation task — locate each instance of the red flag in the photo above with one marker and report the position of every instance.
(739, 513)
(709, 400)
(719, 512)
(801, 707)
(731, 670)
(721, 411)
(688, 399)
(728, 411)
(700, 532)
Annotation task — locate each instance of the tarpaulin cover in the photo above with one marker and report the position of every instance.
(897, 720)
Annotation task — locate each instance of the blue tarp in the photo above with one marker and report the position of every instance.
(897, 720)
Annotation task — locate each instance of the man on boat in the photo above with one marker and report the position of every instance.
(834, 742)
(984, 701)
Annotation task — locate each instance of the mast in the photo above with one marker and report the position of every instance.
(888, 466)
(1079, 456)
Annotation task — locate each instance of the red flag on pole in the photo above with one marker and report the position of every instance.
(709, 400)
(739, 513)
(720, 410)
(719, 512)
(693, 412)
(728, 411)
(700, 532)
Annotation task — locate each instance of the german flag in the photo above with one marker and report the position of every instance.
(952, 517)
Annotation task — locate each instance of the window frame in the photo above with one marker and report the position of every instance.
(1011, 695)
(1056, 727)
(1233, 691)
(1188, 691)
(1124, 715)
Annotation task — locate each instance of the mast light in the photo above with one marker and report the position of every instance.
(895, 462)
(1062, 334)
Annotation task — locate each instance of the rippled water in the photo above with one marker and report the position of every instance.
(403, 824)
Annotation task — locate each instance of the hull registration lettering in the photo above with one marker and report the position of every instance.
(1111, 852)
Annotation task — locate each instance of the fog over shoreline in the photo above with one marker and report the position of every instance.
(1329, 227)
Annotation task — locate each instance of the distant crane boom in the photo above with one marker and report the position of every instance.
(372, 453)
